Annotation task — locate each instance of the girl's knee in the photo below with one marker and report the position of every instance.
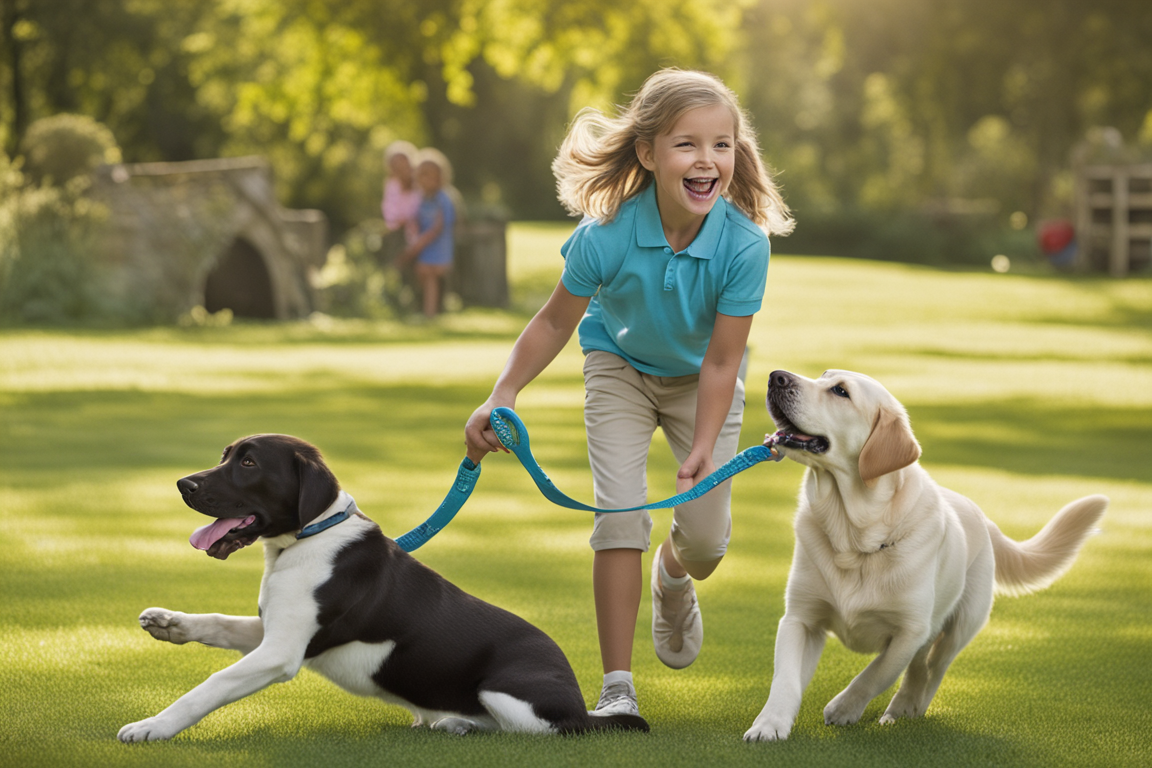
(700, 569)
(700, 559)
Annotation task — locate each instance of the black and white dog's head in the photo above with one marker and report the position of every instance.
(264, 485)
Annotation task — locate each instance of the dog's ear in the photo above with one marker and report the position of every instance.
(890, 447)
(318, 487)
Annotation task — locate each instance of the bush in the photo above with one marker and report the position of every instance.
(359, 278)
(45, 232)
(57, 149)
(912, 237)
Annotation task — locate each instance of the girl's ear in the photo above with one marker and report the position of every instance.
(645, 154)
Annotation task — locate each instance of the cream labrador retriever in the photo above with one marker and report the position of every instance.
(886, 559)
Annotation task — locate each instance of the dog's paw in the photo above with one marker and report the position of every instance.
(165, 625)
(898, 708)
(769, 727)
(150, 729)
(843, 710)
(456, 725)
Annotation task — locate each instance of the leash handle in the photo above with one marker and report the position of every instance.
(514, 435)
(466, 477)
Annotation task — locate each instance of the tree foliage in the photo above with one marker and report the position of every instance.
(880, 106)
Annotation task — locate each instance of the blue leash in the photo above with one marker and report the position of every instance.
(466, 478)
(514, 435)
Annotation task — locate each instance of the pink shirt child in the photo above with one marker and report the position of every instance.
(399, 208)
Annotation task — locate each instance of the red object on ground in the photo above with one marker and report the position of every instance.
(1055, 235)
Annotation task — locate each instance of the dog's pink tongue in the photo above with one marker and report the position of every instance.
(206, 536)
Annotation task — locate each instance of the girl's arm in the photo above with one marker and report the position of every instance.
(425, 238)
(539, 343)
(714, 395)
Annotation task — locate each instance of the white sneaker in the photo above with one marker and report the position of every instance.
(677, 628)
(616, 699)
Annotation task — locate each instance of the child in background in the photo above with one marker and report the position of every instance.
(435, 218)
(663, 277)
(401, 195)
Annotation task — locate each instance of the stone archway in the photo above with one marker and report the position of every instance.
(240, 281)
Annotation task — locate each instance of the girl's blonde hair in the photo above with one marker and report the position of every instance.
(597, 169)
(437, 158)
(400, 147)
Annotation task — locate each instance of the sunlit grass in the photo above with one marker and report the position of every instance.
(1026, 392)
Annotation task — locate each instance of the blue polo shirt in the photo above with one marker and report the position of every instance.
(439, 251)
(656, 308)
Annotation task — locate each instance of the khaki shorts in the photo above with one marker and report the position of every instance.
(622, 408)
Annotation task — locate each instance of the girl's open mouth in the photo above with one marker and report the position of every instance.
(701, 189)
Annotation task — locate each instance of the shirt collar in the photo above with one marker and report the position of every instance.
(650, 233)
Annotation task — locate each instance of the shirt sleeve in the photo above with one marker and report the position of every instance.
(583, 272)
(448, 211)
(743, 292)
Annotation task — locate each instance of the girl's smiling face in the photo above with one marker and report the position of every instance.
(400, 167)
(692, 163)
(428, 178)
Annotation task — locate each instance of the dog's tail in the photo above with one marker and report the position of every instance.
(1028, 566)
(605, 723)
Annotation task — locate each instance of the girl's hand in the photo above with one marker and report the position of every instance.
(694, 469)
(478, 434)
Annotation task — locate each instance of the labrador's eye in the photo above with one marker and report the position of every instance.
(839, 391)
(247, 463)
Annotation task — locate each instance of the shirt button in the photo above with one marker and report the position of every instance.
(667, 250)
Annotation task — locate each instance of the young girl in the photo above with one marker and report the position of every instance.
(401, 195)
(432, 249)
(663, 277)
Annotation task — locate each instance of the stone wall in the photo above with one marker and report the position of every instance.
(185, 234)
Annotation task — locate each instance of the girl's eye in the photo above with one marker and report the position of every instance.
(839, 391)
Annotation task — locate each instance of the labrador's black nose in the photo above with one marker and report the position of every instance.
(187, 485)
(781, 379)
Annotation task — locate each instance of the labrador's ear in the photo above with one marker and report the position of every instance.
(890, 447)
(318, 487)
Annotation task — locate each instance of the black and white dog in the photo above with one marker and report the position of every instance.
(351, 605)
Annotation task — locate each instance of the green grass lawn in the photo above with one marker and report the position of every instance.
(1026, 391)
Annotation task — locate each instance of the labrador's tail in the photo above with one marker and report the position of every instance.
(1028, 566)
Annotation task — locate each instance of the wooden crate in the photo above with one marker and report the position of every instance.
(1114, 216)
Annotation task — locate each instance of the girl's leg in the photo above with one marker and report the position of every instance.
(700, 529)
(617, 582)
(429, 276)
(620, 420)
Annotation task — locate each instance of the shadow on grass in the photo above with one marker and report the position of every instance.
(1123, 312)
(47, 435)
(1033, 437)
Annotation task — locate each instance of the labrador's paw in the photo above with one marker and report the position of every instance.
(769, 726)
(150, 729)
(844, 709)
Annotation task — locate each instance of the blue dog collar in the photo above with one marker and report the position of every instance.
(328, 522)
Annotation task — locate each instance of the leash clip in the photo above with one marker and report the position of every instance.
(770, 442)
